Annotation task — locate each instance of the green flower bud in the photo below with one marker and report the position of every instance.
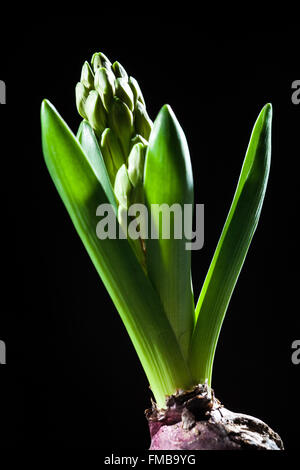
(110, 145)
(143, 123)
(122, 187)
(135, 164)
(95, 112)
(107, 157)
(100, 60)
(136, 91)
(119, 71)
(123, 218)
(81, 93)
(120, 120)
(87, 76)
(136, 140)
(104, 84)
(124, 92)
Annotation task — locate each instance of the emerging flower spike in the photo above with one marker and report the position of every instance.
(113, 104)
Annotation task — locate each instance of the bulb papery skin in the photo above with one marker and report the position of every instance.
(196, 420)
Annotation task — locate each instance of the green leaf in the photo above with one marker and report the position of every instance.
(232, 248)
(89, 143)
(168, 179)
(74, 175)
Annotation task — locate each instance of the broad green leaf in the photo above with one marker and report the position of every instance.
(89, 143)
(168, 180)
(232, 248)
(131, 291)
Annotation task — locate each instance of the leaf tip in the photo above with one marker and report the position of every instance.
(268, 108)
(46, 106)
(267, 113)
(166, 111)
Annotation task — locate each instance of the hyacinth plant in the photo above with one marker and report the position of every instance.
(119, 157)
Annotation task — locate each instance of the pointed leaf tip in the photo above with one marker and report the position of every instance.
(47, 108)
(45, 104)
(265, 116)
(267, 111)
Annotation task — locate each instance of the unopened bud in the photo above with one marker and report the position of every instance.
(122, 187)
(143, 123)
(95, 112)
(87, 76)
(119, 71)
(124, 92)
(110, 143)
(104, 84)
(123, 218)
(136, 91)
(136, 140)
(136, 161)
(121, 122)
(107, 157)
(81, 93)
(100, 60)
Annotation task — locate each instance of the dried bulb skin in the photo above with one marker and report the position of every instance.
(196, 420)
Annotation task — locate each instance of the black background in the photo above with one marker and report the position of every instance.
(71, 370)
